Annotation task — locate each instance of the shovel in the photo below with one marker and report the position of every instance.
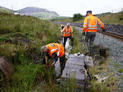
(102, 50)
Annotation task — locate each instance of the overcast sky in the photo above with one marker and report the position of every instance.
(67, 7)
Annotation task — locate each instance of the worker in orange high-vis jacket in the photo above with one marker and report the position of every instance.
(55, 51)
(67, 32)
(90, 27)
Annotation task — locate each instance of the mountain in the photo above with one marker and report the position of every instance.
(38, 12)
(3, 9)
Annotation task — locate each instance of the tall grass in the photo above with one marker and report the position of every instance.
(20, 38)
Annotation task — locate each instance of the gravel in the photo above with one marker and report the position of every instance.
(115, 52)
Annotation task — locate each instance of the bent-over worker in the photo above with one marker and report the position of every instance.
(55, 51)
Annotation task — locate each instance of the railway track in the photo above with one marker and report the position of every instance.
(115, 35)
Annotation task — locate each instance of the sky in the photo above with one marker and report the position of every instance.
(67, 7)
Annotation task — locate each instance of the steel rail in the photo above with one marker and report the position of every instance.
(115, 35)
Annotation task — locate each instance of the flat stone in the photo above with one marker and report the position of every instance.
(89, 61)
(77, 74)
(76, 60)
(74, 68)
(6, 67)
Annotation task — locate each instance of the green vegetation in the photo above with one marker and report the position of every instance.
(102, 62)
(5, 11)
(21, 37)
(57, 18)
(103, 86)
(45, 15)
(116, 65)
(77, 44)
(77, 17)
(62, 19)
(20, 40)
(114, 18)
(107, 18)
(120, 70)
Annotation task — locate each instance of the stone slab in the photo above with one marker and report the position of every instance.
(89, 61)
(76, 60)
(74, 68)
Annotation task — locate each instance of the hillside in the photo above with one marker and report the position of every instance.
(106, 18)
(38, 12)
(3, 9)
(21, 38)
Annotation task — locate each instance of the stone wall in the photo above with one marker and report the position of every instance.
(109, 27)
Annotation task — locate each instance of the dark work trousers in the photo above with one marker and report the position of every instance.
(62, 62)
(90, 36)
(65, 39)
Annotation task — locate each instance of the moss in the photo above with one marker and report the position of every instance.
(120, 70)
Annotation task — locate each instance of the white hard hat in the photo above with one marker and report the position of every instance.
(68, 24)
(44, 48)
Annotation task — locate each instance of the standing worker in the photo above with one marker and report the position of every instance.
(67, 32)
(90, 27)
(56, 51)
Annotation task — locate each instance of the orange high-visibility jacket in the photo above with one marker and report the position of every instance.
(90, 24)
(55, 47)
(67, 31)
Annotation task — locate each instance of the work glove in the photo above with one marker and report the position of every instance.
(46, 65)
(51, 65)
(61, 37)
(103, 30)
(83, 33)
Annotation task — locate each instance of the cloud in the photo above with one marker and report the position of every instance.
(67, 7)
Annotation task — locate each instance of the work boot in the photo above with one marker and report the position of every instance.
(87, 50)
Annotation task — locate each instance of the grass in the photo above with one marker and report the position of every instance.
(20, 38)
(110, 82)
(106, 18)
(43, 15)
(116, 65)
(25, 77)
(120, 70)
(62, 19)
(77, 44)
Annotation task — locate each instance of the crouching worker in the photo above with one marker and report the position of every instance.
(55, 51)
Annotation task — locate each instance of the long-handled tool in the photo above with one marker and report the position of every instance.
(102, 50)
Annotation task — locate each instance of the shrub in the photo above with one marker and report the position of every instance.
(77, 17)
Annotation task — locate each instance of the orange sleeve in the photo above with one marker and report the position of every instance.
(71, 29)
(100, 23)
(85, 24)
(63, 29)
